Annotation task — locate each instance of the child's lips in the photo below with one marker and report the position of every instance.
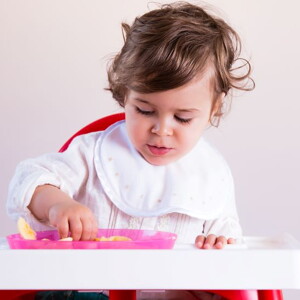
(159, 150)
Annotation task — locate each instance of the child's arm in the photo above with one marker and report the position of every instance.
(44, 189)
(49, 204)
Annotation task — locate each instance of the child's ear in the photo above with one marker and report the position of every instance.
(217, 109)
(125, 98)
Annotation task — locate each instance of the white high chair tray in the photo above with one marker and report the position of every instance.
(258, 263)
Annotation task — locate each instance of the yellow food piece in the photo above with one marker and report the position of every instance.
(25, 230)
(67, 239)
(113, 238)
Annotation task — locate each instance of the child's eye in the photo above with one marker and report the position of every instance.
(144, 112)
(181, 120)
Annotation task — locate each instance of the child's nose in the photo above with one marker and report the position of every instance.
(162, 128)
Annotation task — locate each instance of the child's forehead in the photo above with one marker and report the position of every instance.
(185, 97)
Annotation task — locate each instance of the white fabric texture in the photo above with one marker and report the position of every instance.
(192, 196)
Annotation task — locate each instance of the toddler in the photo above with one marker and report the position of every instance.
(154, 170)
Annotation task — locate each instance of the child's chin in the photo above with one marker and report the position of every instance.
(159, 161)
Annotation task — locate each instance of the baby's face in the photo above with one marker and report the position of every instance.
(164, 126)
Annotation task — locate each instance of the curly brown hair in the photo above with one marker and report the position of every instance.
(167, 47)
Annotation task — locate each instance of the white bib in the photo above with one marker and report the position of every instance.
(199, 184)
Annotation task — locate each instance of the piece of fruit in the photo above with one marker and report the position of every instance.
(113, 238)
(67, 239)
(25, 230)
(118, 238)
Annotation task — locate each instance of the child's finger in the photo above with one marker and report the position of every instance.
(199, 241)
(94, 229)
(87, 228)
(220, 242)
(231, 241)
(90, 229)
(209, 241)
(63, 228)
(75, 226)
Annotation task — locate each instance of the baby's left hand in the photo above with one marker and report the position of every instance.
(212, 242)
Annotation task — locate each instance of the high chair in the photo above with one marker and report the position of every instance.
(121, 294)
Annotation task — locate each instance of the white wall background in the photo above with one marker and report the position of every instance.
(53, 57)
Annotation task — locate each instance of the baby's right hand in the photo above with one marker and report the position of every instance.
(71, 216)
(50, 204)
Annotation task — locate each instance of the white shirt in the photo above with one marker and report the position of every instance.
(102, 170)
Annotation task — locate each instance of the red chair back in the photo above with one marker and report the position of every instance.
(98, 125)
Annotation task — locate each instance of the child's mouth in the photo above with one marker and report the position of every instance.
(158, 150)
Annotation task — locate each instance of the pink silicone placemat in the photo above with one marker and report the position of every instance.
(140, 239)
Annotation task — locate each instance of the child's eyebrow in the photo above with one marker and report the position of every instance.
(179, 110)
(142, 100)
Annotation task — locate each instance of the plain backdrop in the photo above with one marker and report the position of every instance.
(53, 59)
